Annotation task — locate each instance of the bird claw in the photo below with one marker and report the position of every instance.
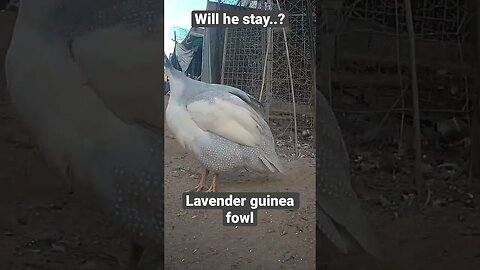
(212, 188)
(198, 188)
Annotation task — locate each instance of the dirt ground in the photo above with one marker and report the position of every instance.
(197, 239)
(42, 226)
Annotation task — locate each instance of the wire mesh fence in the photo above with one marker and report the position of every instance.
(437, 20)
(246, 51)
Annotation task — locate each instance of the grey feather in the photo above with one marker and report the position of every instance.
(90, 120)
(327, 226)
(335, 195)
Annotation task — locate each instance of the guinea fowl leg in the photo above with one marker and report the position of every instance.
(136, 252)
(203, 182)
(213, 187)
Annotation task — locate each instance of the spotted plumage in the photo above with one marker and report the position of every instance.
(75, 18)
(339, 213)
(83, 74)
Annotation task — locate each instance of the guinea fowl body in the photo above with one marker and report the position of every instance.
(204, 117)
(75, 111)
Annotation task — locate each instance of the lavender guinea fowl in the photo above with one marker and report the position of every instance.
(221, 125)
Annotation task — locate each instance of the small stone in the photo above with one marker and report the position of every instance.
(58, 248)
(22, 221)
(88, 265)
(470, 202)
(288, 255)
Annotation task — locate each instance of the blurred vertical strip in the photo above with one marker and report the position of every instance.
(474, 7)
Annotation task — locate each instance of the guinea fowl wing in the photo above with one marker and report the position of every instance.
(228, 116)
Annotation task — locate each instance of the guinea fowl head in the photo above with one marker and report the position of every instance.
(170, 71)
(177, 80)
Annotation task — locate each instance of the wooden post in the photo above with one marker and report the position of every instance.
(289, 64)
(267, 70)
(268, 75)
(312, 48)
(416, 107)
(224, 54)
(313, 63)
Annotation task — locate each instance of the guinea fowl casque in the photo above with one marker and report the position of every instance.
(221, 125)
(84, 76)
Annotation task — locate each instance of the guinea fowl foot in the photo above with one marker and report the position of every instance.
(199, 188)
(202, 185)
(213, 187)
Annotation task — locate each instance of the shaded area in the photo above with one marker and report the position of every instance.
(197, 239)
(364, 72)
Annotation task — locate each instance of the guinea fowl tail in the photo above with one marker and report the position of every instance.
(272, 163)
(166, 62)
(278, 165)
(169, 69)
